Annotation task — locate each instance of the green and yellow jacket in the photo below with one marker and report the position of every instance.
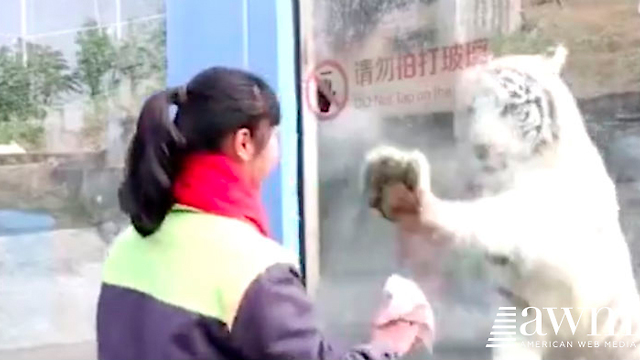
(208, 287)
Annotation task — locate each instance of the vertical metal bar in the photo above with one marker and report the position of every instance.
(245, 34)
(118, 19)
(96, 12)
(300, 139)
(287, 80)
(309, 154)
(23, 31)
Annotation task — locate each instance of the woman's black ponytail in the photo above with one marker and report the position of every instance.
(153, 161)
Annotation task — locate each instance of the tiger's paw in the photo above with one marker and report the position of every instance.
(394, 181)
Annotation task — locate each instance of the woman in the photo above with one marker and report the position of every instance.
(196, 276)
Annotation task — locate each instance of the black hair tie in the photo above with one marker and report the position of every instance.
(179, 95)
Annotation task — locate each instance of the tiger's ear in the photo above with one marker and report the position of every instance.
(557, 58)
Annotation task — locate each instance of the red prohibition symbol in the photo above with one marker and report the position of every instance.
(326, 90)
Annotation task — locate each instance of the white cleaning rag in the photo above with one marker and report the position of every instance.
(405, 301)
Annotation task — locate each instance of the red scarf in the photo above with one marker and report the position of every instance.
(213, 184)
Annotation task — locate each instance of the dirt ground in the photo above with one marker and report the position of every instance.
(603, 38)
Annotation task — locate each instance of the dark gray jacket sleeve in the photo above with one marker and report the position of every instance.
(276, 321)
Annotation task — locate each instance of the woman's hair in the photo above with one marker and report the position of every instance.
(214, 104)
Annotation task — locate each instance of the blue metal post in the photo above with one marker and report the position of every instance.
(258, 36)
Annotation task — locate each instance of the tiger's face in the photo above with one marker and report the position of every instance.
(508, 116)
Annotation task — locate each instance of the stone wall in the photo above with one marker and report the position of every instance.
(613, 122)
(78, 190)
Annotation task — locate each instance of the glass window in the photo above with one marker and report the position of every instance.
(70, 92)
(46, 16)
(132, 9)
(385, 72)
(10, 25)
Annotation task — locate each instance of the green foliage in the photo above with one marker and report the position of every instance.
(15, 88)
(97, 58)
(49, 73)
(139, 63)
(28, 88)
(141, 55)
(25, 133)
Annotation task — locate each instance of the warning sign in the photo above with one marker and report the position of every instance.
(326, 90)
(388, 83)
(415, 81)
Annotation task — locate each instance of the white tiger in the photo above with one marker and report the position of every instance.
(553, 220)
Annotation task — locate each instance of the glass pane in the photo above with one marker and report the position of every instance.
(10, 25)
(6, 40)
(46, 16)
(69, 97)
(392, 72)
(132, 9)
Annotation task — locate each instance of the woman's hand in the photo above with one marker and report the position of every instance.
(403, 322)
(399, 335)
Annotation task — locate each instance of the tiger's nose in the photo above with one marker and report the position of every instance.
(481, 151)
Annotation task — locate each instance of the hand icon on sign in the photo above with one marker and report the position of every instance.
(325, 95)
(326, 90)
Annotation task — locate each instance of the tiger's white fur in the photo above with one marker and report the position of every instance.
(553, 217)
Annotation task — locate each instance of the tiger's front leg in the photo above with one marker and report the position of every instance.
(397, 185)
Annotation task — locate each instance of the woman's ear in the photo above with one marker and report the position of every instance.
(243, 145)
